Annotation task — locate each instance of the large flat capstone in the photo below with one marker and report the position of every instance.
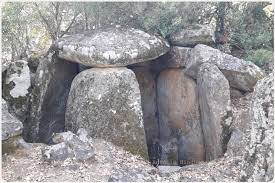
(111, 47)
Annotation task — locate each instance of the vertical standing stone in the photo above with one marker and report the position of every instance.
(147, 86)
(107, 103)
(215, 107)
(179, 118)
(258, 163)
(16, 88)
(50, 93)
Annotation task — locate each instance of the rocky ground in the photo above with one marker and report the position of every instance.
(111, 163)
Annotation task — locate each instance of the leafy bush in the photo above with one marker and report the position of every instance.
(260, 57)
(164, 21)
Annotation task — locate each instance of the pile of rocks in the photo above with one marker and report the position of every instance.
(69, 145)
(173, 103)
(191, 104)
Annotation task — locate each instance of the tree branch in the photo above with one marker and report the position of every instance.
(70, 25)
(45, 22)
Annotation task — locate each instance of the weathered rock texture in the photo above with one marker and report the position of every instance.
(49, 97)
(16, 88)
(111, 163)
(115, 46)
(240, 125)
(241, 74)
(107, 103)
(147, 86)
(193, 35)
(236, 143)
(215, 108)
(177, 57)
(11, 126)
(11, 129)
(70, 145)
(258, 164)
(179, 118)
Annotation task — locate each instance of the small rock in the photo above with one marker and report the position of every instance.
(82, 150)
(56, 152)
(83, 135)
(21, 143)
(193, 35)
(165, 170)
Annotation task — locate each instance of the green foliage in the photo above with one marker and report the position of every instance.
(260, 57)
(250, 27)
(164, 22)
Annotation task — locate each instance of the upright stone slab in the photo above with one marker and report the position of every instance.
(215, 109)
(241, 74)
(258, 163)
(148, 91)
(107, 103)
(49, 96)
(16, 88)
(179, 119)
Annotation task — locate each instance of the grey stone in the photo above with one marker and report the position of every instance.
(193, 35)
(21, 143)
(16, 88)
(75, 147)
(235, 144)
(179, 118)
(11, 126)
(148, 91)
(56, 152)
(166, 170)
(258, 163)
(215, 109)
(234, 93)
(49, 96)
(177, 57)
(241, 74)
(107, 103)
(83, 135)
(81, 150)
(111, 47)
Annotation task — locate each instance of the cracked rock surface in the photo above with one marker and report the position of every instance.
(241, 74)
(111, 47)
(258, 163)
(107, 103)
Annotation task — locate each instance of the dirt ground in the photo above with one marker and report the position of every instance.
(111, 163)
